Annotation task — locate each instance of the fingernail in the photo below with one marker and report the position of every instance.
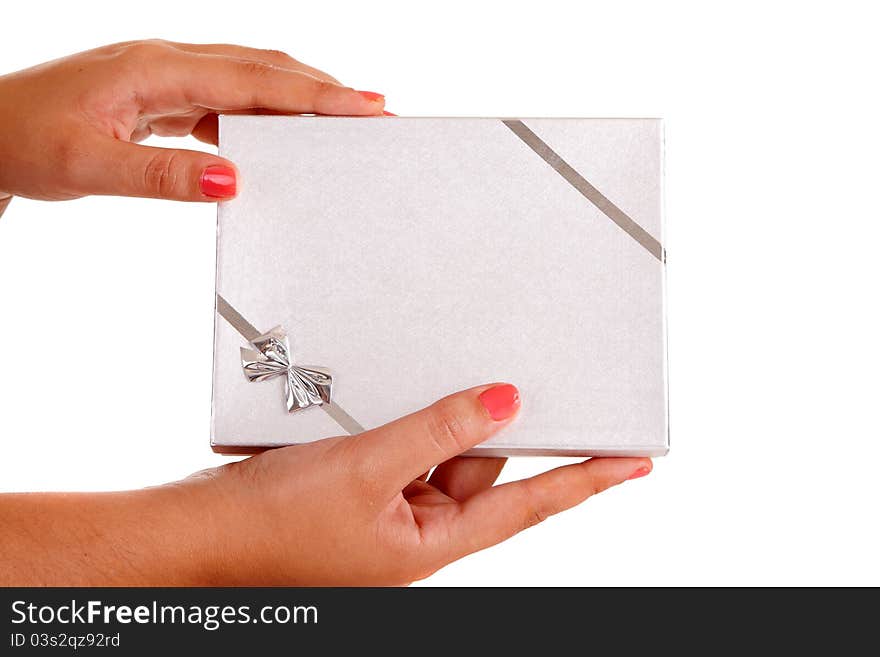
(501, 401)
(218, 181)
(372, 96)
(641, 472)
(386, 113)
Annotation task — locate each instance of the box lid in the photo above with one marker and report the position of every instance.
(416, 257)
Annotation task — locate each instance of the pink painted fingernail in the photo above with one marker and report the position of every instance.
(641, 472)
(501, 401)
(372, 96)
(218, 181)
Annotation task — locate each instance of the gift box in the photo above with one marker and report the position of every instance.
(370, 266)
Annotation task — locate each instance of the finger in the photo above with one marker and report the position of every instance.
(125, 169)
(465, 476)
(418, 494)
(500, 512)
(402, 450)
(206, 129)
(274, 57)
(226, 83)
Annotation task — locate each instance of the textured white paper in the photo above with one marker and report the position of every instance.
(417, 257)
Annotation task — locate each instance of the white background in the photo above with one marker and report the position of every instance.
(772, 235)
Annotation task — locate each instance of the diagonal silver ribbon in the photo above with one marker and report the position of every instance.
(581, 184)
(270, 358)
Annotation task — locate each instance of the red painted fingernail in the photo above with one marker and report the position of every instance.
(372, 96)
(501, 401)
(218, 181)
(386, 113)
(641, 472)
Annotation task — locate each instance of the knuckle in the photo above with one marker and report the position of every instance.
(256, 69)
(320, 88)
(592, 485)
(272, 53)
(534, 512)
(160, 174)
(154, 43)
(536, 517)
(144, 50)
(446, 428)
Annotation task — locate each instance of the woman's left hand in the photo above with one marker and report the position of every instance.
(69, 128)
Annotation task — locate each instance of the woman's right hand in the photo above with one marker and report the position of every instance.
(356, 510)
(362, 510)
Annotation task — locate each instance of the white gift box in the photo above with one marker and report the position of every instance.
(413, 257)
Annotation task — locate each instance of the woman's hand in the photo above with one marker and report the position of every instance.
(68, 128)
(358, 510)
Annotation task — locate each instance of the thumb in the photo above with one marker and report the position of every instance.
(122, 168)
(402, 450)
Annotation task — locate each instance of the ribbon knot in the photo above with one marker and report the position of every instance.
(304, 386)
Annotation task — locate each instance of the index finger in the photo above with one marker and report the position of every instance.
(223, 83)
(275, 57)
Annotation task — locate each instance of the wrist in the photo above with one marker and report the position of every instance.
(233, 529)
(188, 545)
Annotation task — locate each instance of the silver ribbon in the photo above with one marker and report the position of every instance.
(581, 184)
(270, 358)
(250, 333)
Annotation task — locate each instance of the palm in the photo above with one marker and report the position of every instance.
(427, 508)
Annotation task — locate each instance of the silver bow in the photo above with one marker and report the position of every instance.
(304, 386)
